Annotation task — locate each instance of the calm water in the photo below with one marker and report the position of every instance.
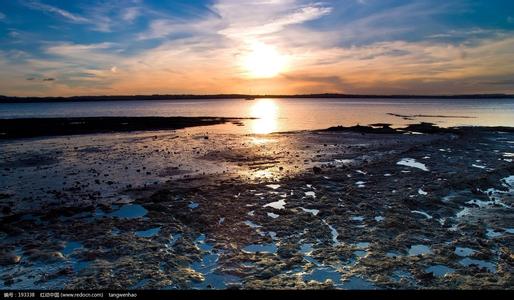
(287, 114)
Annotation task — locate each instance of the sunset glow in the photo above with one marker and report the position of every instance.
(266, 112)
(263, 61)
(63, 48)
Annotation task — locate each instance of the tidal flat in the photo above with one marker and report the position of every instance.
(366, 207)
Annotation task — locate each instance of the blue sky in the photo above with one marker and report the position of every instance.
(58, 47)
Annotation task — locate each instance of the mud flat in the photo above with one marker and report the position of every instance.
(33, 127)
(364, 208)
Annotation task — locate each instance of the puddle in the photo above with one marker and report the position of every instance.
(208, 268)
(130, 211)
(81, 265)
(478, 166)
(193, 205)
(439, 270)
(140, 284)
(70, 247)
(357, 218)
(251, 224)
(273, 216)
(491, 233)
(173, 239)
(379, 218)
(261, 248)
(422, 213)
(480, 263)
(464, 252)
(362, 245)
(273, 186)
(360, 184)
(333, 231)
(360, 253)
(416, 250)
(306, 249)
(480, 203)
(312, 211)
(280, 204)
(148, 233)
(410, 162)
(323, 274)
(422, 192)
(466, 211)
(357, 283)
(310, 194)
(202, 245)
(400, 274)
(393, 254)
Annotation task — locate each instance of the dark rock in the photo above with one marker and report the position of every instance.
(9, 259)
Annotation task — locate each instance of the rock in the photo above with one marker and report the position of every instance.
(9, 259)
(45, 256)
(286, 252)
(316, 170)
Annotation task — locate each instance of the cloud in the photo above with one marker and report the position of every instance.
(162, 28)
(231, 19)
(55, 10)
(130, 14)
(269, 17)
(2, 16)
(100, 16)
(84, 54)
(373, 51)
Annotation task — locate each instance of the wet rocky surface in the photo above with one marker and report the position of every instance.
(344, 209)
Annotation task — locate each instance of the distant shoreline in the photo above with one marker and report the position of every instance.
(14, 99)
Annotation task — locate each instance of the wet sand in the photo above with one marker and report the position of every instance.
(349, 208)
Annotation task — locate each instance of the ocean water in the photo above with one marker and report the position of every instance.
(274, 115)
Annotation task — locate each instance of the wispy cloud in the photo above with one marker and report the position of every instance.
(130, 14)
(268, 17)
(101, 16)
(55, 10)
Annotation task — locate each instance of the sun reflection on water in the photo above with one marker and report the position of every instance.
(266, 112)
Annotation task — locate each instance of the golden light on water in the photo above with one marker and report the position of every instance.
(263, 61)
(266, 112)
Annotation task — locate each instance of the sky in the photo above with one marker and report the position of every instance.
(93, 47)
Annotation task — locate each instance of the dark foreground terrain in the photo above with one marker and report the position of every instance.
(35, 127)
(347, 208)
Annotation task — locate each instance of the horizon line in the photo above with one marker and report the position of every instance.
(5, 98)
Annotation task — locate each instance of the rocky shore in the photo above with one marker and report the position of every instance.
(368, 207)
(36, 127)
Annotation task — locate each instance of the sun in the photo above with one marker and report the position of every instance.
(263, 61)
